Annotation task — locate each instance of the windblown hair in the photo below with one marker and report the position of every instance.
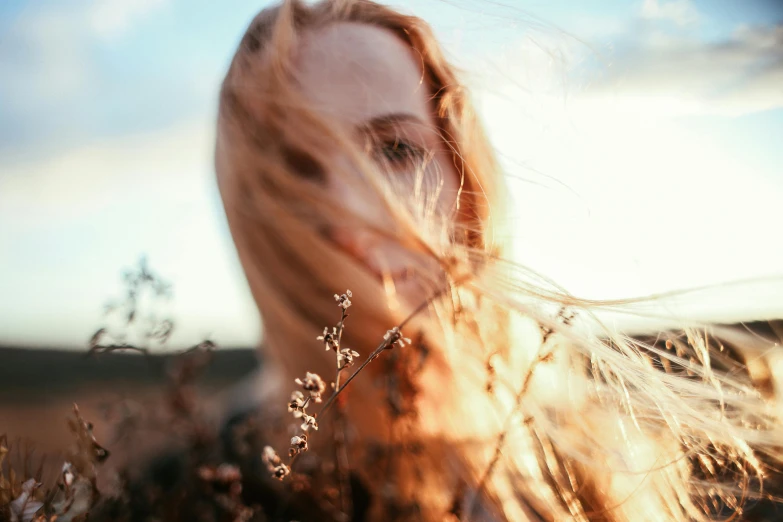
(503, 409)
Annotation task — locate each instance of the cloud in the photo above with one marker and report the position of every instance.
(656, 64)
(112, 18)
(47, 54)
(80, 182)
(49, 76)
(680, 74)
(64, 84)
(42, 58)
(680, 12)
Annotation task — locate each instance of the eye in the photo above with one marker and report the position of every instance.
(303, 164)
(399, 151)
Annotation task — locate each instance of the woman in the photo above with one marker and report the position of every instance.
(349, 156)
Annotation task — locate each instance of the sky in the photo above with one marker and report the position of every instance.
(641, 140)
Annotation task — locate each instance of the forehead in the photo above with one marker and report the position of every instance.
(356, 72)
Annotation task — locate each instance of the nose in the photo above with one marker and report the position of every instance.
(354, 241)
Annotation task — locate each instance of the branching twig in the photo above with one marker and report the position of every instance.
(385, 344)
(342, 465)
(471, 503)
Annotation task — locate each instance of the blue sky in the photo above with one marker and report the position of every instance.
(640, 136)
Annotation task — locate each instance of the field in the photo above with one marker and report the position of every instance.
(38, 388)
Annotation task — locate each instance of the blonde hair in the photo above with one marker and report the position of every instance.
(533, 417)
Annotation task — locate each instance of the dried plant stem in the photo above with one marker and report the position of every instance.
(381, 347)
(471, 503)
(342, 465)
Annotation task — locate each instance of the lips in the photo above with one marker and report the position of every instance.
(382, 274)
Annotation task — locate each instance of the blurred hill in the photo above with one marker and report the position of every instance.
(38, 388)
(32, 375)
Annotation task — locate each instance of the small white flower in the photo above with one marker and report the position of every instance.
(313, 384)
(309, 422)
(345, 358)
(344, 301)
(280, 471)
(394, 336)
(269, 457)
(273, 463)
(329, 338)
(296, 403)
(298, 445)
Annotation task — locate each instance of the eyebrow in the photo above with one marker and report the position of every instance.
(386, 121)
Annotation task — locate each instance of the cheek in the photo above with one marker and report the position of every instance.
(451, 182)
(355, 195)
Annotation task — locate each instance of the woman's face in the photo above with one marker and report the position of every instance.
(370, 83)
